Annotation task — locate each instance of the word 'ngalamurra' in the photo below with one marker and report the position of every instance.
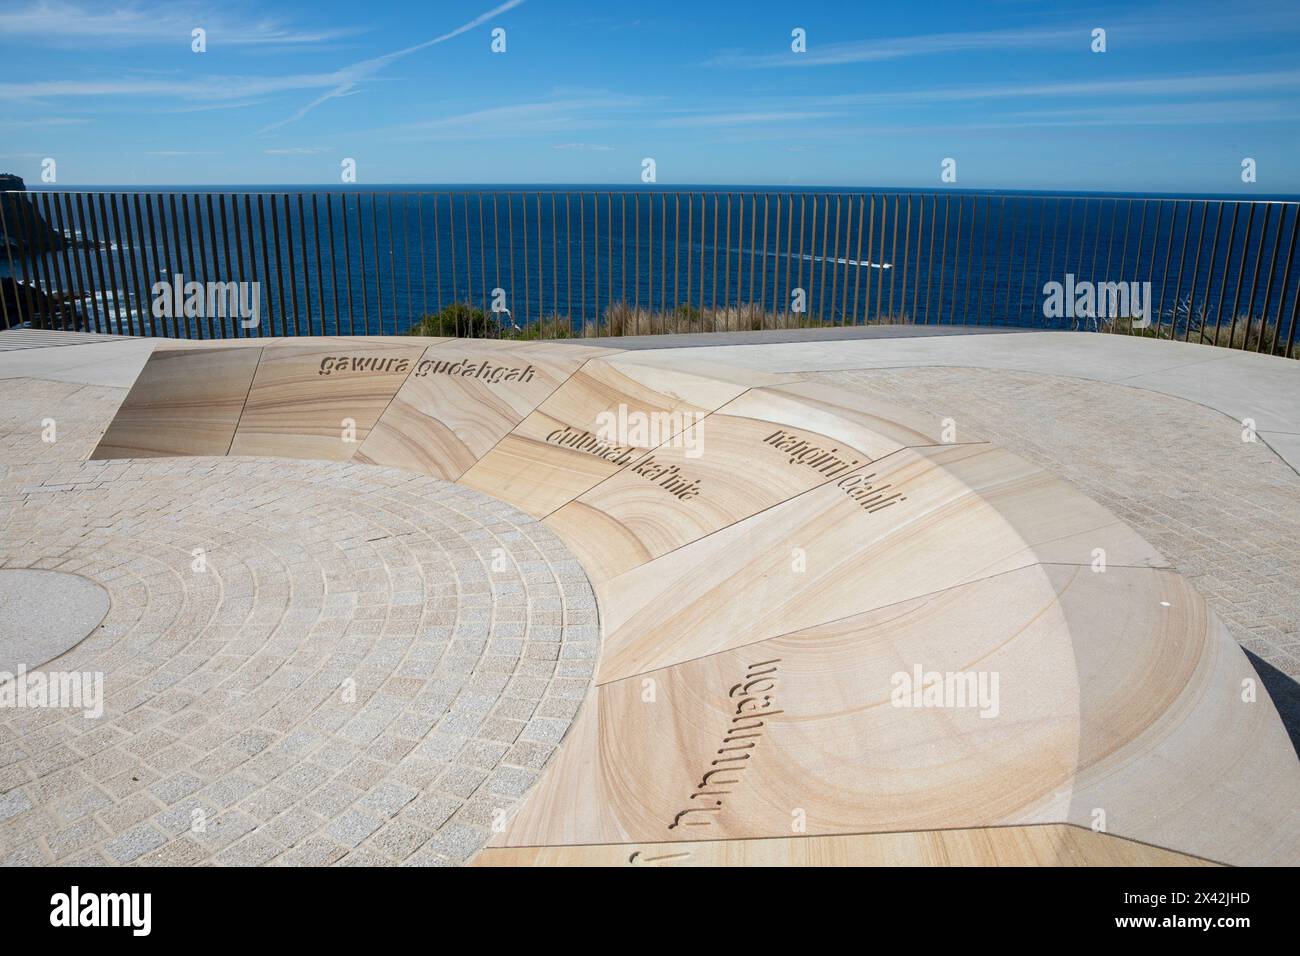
(752, 708)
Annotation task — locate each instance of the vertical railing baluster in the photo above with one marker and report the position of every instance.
(451, 228)
(1295, 318)
(230, 270)
(893, 256)
(943, 253)
(379, 272)
(555, 258)
(63, 214)
(185, 260)
(167, 258)
(265, 263)
(623, 256)
(866, 216)
(216, 270)
(636, 257)
(1268, 286)
(347, 263)
(482, 264)
(523, 227)
(970, 259)
(803, 203)
(424, 265)
(57, 283)
(1164, 272)
(33, 259)
(437, 266)
(11, 213)
(496, 251)
(1223, 280)
(663, 254)
(201, 264)
(392, 261)
(740, 237)
(929, 259)
(1069, 235)
(86, 295)
(677, 254)
(704, 212)
(753, 253)
(1110, 246)
(17, 318)
(25, 214)
(144, 247)
(50, 262)
(832, 253)
(285, 305)
(713, 294)
(907, 258)
(1241, 275)
(142, 308)
(870, 267)
(997, 245)
(581, 259)
(320, 267)
(1012, 223)
(59, 200)
(1038, 264)
(83, 234)
(250, 274)
(541, 286)
(1254, 279)
(814, 284)
(239, 270)
(1286, 280)
(127, 295)
(850, 271)
(1182, 261)
(956, 255)
(1196, 270)
(776, 259)
(306, 261)
(568, 259)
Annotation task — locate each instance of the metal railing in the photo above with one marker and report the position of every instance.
(548, 264)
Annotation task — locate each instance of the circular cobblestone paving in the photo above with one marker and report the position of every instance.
(303, 662)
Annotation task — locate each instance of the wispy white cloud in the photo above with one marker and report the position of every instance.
(198, 87)
(181, 152)
(742, 118)
(894, 48)
(583, 147)
(350, 76)
(1168, 23)
(297, 150)
(42, 121)
(1162, 86)
(63, 23)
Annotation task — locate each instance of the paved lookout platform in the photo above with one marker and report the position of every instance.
(904, 599)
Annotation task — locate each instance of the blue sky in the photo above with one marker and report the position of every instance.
(710, 89)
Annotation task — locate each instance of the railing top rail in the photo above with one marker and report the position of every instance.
(664, 190)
